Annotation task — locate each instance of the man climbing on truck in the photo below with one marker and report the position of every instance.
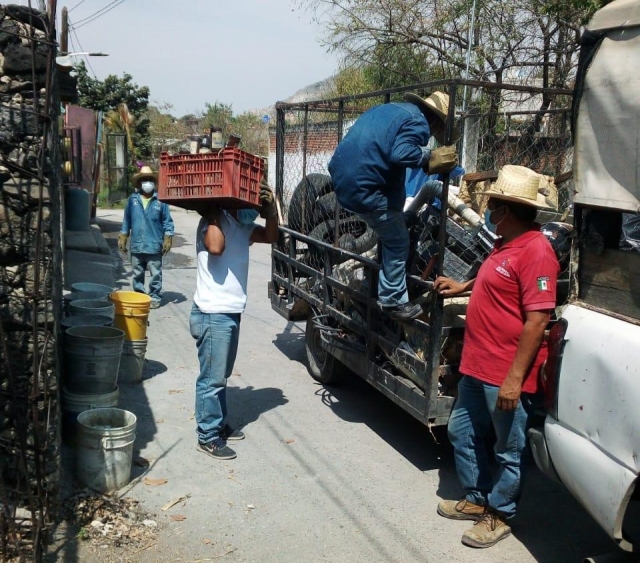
(368, 172)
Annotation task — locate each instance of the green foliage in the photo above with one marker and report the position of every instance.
(399, 42)
(166, 131)
(106, 95)
(579, 10)
(248, 126)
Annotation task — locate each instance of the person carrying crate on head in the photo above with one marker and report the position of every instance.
(148, 223)
(368, 172)
(222, 245)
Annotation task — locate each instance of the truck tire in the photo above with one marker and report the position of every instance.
(322, 366)
(303, 201)
(354, 235)
(325, 208)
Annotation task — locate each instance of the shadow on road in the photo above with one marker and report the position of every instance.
(291, 343)
(173, 297)
(246, 404)
(544, 504)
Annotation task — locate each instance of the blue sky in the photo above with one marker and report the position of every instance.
(247, 53)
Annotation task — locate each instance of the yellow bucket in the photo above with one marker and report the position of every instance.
(131, 313)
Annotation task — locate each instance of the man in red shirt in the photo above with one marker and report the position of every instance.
(510, 306)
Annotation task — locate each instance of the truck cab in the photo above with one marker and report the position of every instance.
(590, 440)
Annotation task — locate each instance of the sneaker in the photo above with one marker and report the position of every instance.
(404, 311)
(228, 433)
(487, 531)
(217, 449)
(460, 509)
(155, 304)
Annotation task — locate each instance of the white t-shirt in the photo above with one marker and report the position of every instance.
(221, 281)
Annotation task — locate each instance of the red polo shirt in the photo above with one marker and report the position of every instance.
(516, 278)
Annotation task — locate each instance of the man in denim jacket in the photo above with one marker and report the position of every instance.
(150, 225)
(368, 173)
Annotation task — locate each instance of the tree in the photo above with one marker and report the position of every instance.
(165, 131)
(403, 41)
(108, 94)
(248, 126)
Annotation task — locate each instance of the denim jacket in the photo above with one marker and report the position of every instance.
(147, 226)
(369, 164)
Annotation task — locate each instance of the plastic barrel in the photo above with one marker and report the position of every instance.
(132, 361)
(87, 286)
(77, 203)
(92, 356)
(73, 404)
(105, 440)
(131, 313)
(101, 307)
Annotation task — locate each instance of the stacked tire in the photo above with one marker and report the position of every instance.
(312, 211)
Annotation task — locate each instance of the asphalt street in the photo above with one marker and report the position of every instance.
(325, 474)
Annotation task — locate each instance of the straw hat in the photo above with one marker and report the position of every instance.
(436, 104)
(522, 185)
(145, 174)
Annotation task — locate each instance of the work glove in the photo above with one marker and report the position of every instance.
(166, 244)
(443, 160)
(122, 242)
(268, 209)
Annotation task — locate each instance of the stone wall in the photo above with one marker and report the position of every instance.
(30, 281)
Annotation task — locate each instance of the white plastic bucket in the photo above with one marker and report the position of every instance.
(132, 361)
(105, 448)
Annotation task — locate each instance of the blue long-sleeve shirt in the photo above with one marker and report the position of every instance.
(369, 164)
(146, 226)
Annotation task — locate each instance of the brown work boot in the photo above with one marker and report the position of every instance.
(487, 531)
(460, 509)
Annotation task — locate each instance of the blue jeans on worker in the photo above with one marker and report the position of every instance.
(473, 418)
(140, 263)
(216, 336)
(394, 238)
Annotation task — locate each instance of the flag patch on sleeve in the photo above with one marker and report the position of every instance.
(543, 283)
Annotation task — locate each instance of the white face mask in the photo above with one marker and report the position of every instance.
(147, 187)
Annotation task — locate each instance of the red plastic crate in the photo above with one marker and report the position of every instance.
(230, 177)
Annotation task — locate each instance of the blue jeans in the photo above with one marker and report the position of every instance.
(394, 237)
(474, 415)
(217, 343)
(140, 262)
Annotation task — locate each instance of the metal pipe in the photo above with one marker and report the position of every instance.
(433, 189)
(468, 62)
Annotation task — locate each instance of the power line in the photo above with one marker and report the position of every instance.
(71, 9)
(81, 50)
(97, 12)
(96, 15)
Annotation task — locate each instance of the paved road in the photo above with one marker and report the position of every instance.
(337, 475)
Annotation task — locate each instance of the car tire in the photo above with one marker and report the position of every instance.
(322, 366)
(354, 236)
(300, 215)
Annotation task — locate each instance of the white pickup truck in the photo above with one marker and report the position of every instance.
(591, 437)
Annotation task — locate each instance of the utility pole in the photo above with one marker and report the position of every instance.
(64, 32)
